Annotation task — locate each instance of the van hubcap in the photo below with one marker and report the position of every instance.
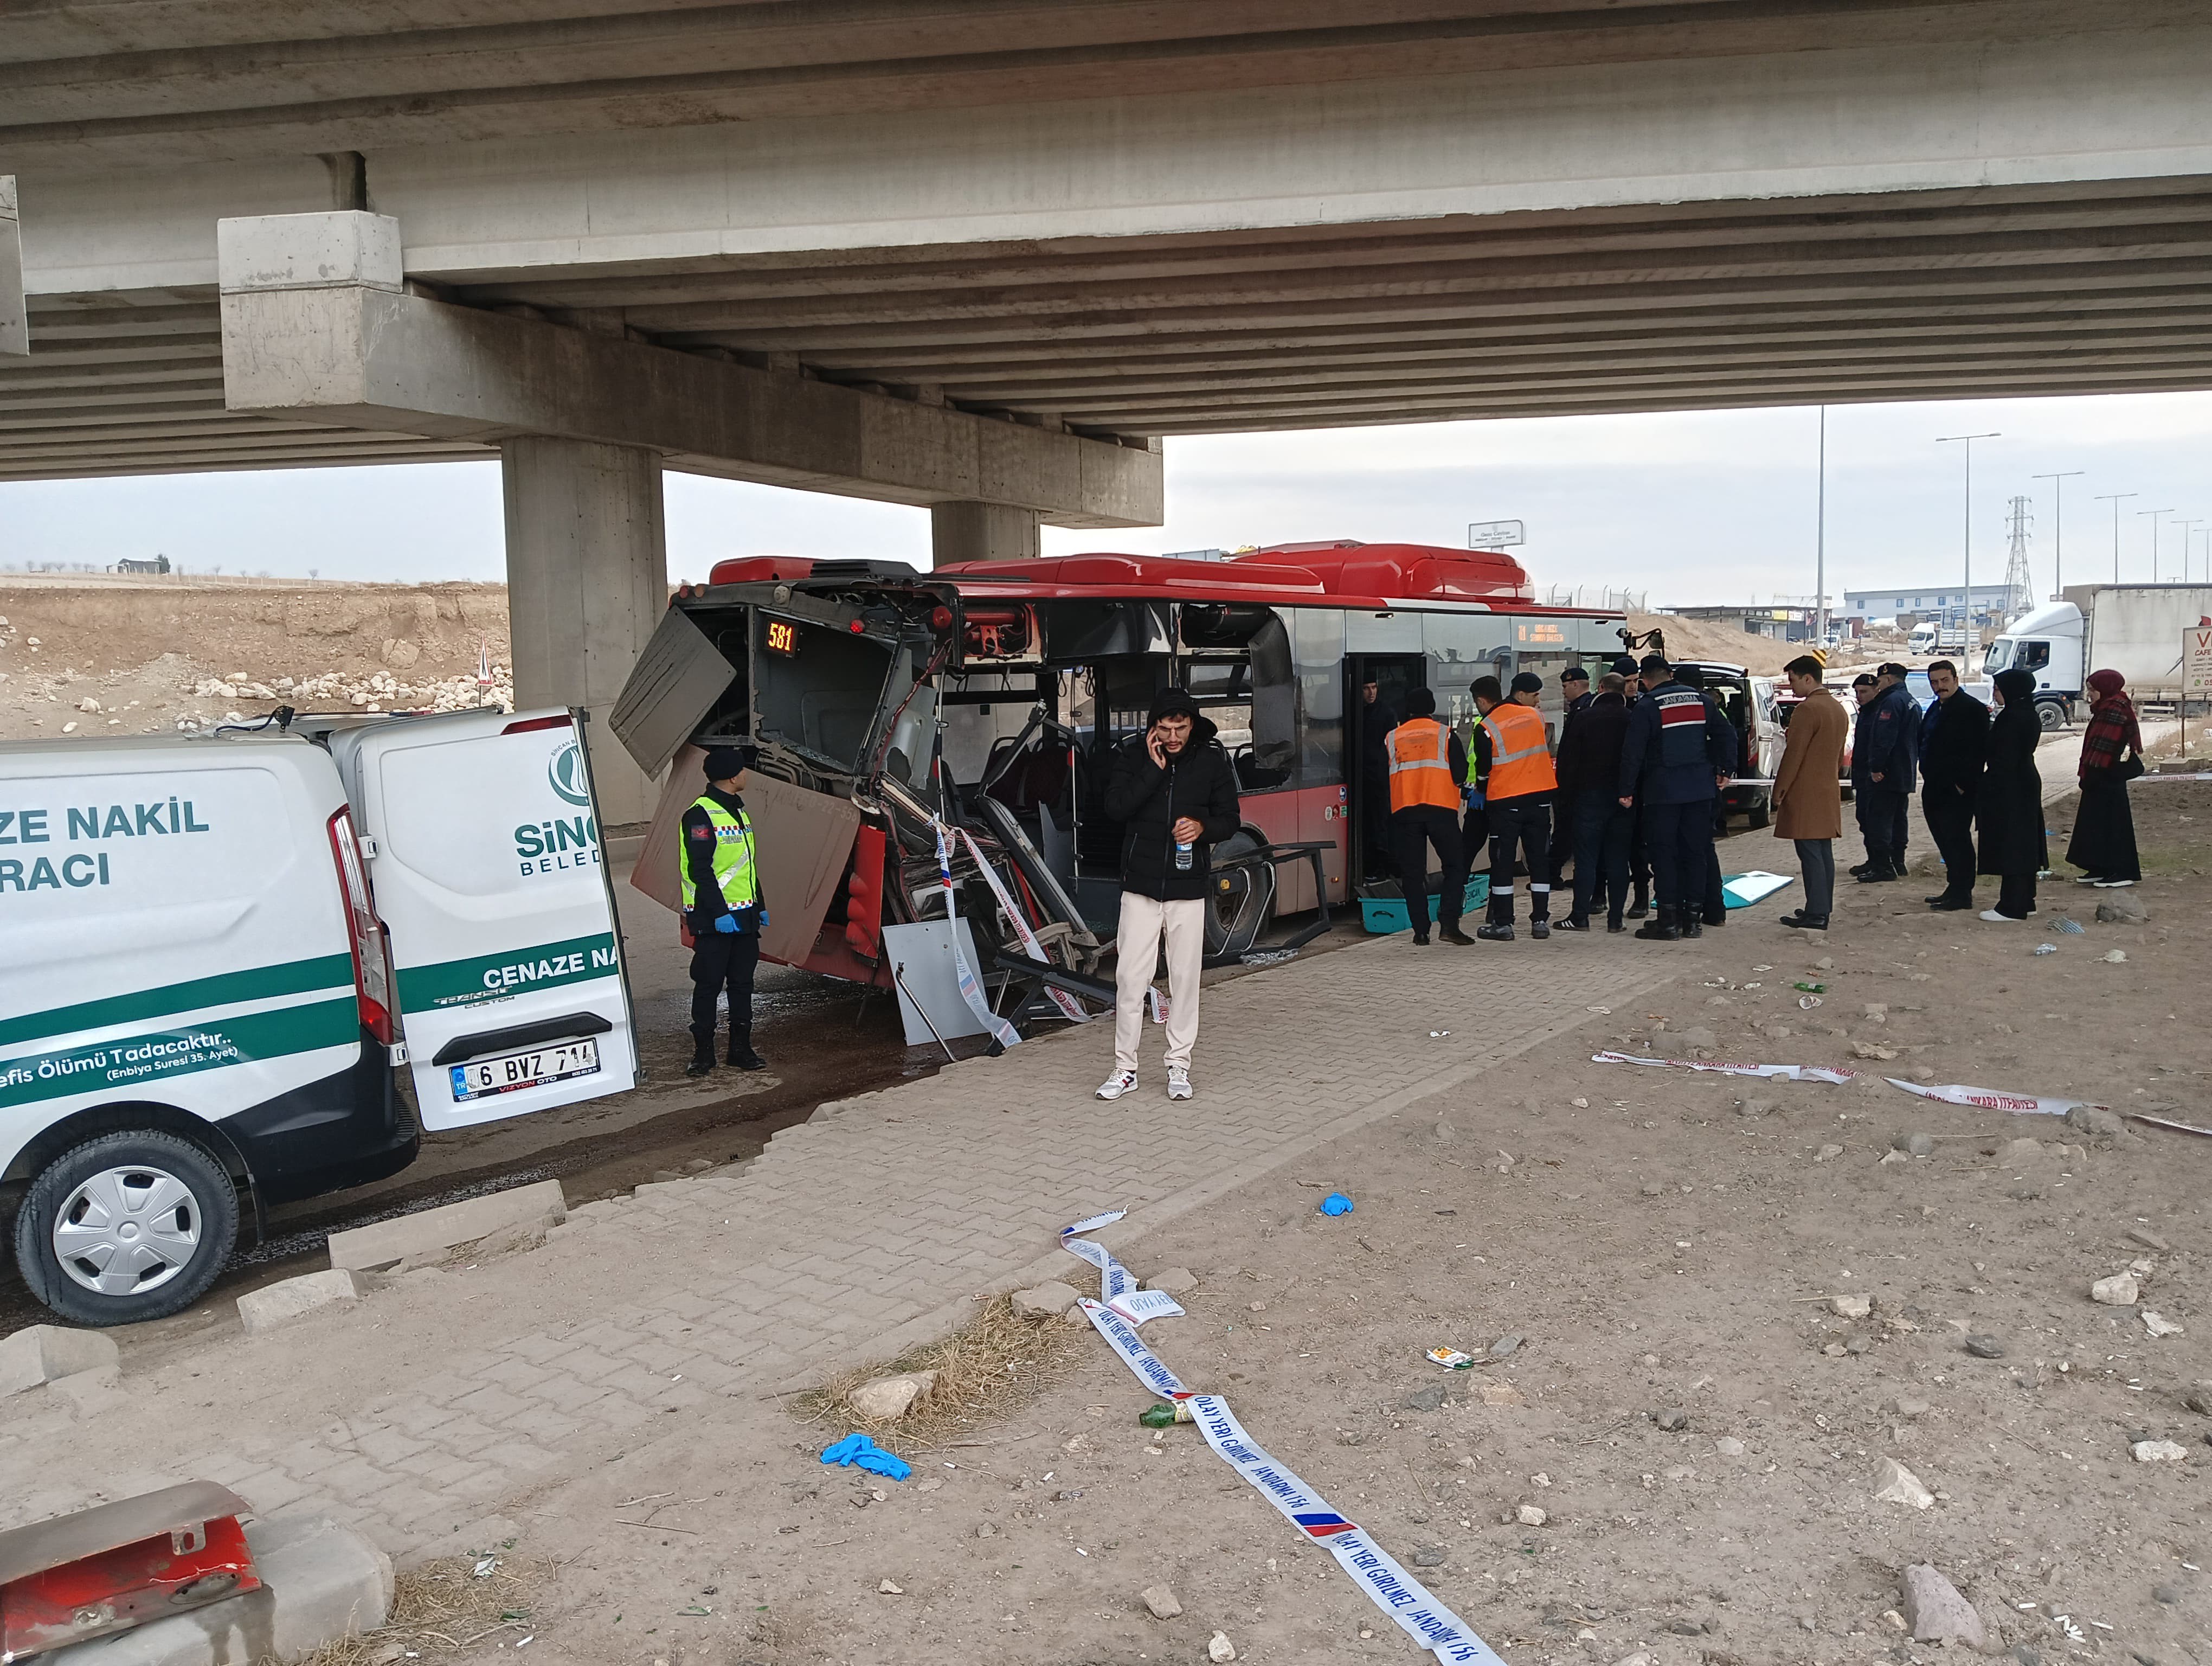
(124, 1231)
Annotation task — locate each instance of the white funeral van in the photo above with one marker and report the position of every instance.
(216, 952)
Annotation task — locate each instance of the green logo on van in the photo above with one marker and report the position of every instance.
(565, 775)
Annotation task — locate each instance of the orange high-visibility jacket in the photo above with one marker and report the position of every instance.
(1520, 759)
(1420, 765)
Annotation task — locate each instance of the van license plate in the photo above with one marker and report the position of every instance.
(480, 1079)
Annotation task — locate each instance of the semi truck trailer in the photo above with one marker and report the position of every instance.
(2133, 629)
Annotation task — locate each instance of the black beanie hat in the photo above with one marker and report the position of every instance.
(726, 763)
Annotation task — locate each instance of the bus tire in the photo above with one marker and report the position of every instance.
(157, 1203)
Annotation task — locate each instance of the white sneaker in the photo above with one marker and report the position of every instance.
(2112, 884)
(1120, 1082)
(1994, 918)
(1178, 1083)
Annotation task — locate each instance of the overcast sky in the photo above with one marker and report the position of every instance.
(1705, 507)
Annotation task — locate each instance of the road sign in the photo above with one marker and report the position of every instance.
(2196, 660)
(1495, 534)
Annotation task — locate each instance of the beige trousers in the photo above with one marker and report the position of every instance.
(1137, 946)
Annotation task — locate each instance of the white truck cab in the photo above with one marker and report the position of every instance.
(2049, 642)
(215, 952)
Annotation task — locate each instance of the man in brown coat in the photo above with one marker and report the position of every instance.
(1808, 790)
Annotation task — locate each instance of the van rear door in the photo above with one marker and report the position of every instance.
(505, 944)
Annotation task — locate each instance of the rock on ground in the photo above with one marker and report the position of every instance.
(1161, 1602)
(1220, 1648)
(2158, 1451)
(1936, 1612)
(1173, 1280)
(1044, 1301)
(889, 1397)
(1851, 1307)
(277, 1303)
(2118, 1290)
(47, 1354)
(1897, 1485)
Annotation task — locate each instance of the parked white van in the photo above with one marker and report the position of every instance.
(215, 952)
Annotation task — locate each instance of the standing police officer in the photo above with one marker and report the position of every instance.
(1672, 764)
(722, 908)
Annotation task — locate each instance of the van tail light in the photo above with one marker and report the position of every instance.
(528, 725)
(372, 954)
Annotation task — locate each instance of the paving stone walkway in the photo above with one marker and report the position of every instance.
(431, 1407)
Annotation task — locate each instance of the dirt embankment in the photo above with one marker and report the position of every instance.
(161, 655)
(1699, 638)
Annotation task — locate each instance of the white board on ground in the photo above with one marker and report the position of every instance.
(928, 981)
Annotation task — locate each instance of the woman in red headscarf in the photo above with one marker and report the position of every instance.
(2104, 844)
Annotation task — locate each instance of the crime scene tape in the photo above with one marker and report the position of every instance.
(1786, 1073)
(1407, 1603)
(1069, 1007)
(971, 991)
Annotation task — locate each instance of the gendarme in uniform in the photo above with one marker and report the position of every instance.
(722, 907)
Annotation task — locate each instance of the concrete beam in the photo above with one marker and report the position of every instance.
(316, 325)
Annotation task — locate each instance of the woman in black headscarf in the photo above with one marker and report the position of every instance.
(2009, 806)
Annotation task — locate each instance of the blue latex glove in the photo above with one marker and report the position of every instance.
(1336, 1203)
(727, 925)
(859, 1449)
(763, 916)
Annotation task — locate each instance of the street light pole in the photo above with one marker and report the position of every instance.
(2154, 514)
(2115, 499)
(2058, 528)
(1820, 545)
(1966, 541)
(2188, 536)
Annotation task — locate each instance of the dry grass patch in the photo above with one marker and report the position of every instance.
(986, 1372)
(446, 1607)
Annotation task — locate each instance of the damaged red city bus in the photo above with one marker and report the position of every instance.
(983, 700)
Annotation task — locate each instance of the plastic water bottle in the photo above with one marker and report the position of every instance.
(1183, 857)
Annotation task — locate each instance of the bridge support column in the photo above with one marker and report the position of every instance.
(586, 583)
(964, 531)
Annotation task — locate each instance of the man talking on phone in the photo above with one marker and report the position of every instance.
(1173, 791)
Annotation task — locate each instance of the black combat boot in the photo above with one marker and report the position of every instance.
(1661, 929)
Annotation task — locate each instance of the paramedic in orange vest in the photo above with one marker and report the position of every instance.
(1428, 766)
(1517, 793)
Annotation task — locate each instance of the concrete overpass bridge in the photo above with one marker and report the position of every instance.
(983, 255)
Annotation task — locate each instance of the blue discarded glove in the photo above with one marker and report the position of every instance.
(859, 1449)
(727, 925)
(1336, 1203)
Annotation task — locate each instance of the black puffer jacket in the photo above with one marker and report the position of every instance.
(1200, 781)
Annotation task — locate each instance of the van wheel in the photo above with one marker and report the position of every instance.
(127, 1227)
